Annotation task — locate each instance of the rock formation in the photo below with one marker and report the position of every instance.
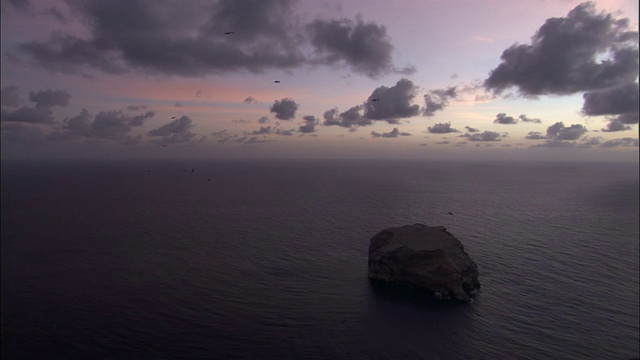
(425, 258)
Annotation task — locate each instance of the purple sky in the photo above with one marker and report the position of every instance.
(529, 80)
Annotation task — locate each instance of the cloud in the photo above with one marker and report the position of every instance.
(624, 142)
(621, 100)
(392, 134)
(441, 128)
(10, 96)
(437, 100)
(560, 132)
(391, 103)
(444, 142)
(21, 132)
(616, 125)
(240, 121)
(187, 38)
(348, 119)
(178, 105)
(588, 141)
(285, 109)
(250, 100)
(112, 125)
(268, 130)
(502, 118)
(177, 131)
(309, 125)
(562, 56)
(484, 136)
(255, 140)
(364, 47)
(470, 129)
(22, 5)
(174, 38)
(136, 107)
(535, 135)
(28, 114)
(44, 101)
(48, 98)
(555, 143)
(263, 120)
(526, 119)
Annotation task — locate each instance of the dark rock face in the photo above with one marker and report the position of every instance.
(425, 258)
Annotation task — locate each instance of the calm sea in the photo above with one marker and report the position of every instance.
(268, 260)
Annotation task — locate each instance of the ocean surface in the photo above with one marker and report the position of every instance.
(268, 260)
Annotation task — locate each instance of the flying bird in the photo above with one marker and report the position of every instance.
(375, 99)
(450, 213)
(173, 117)
(277, 81)
(229, 33)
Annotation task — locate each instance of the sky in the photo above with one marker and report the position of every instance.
(406, 79)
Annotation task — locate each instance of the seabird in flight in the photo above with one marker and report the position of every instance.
(375, 99)
(277, 81)
(450, 213)
(228, 33)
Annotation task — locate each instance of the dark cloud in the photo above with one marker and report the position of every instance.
(535, 135)
(560, 132)
(392, 134)
(349, 119)
(250, 100)
(263, 120)
(23, 5)
(268, 130)
(622, 100)
(177, 131)
(46, 99)
(484, 136)
(392, 103)
(223, 136)
(255, 140)
(502, 118)
(441, 128)
(365, 47)
(470, 129)
(139, 119)
(174, 38)
(264, 130)
(187, 38)
(136, 107)
(285, 109)
(526, 119)
(624, 142)
(178, 105)
(616, 125)
(589, 141)
(10, 96)
(563, 56)
(444, 142)
(240, 121)
(437, 100)
(28, 114)
(113, 125)
(21, 132)
(309, 126)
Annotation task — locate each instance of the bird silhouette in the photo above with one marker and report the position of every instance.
(277, 81)
(450, 213)
(173, 117)
(375, 99)
(229, 33)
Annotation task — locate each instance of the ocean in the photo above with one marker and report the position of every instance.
(268, 259)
